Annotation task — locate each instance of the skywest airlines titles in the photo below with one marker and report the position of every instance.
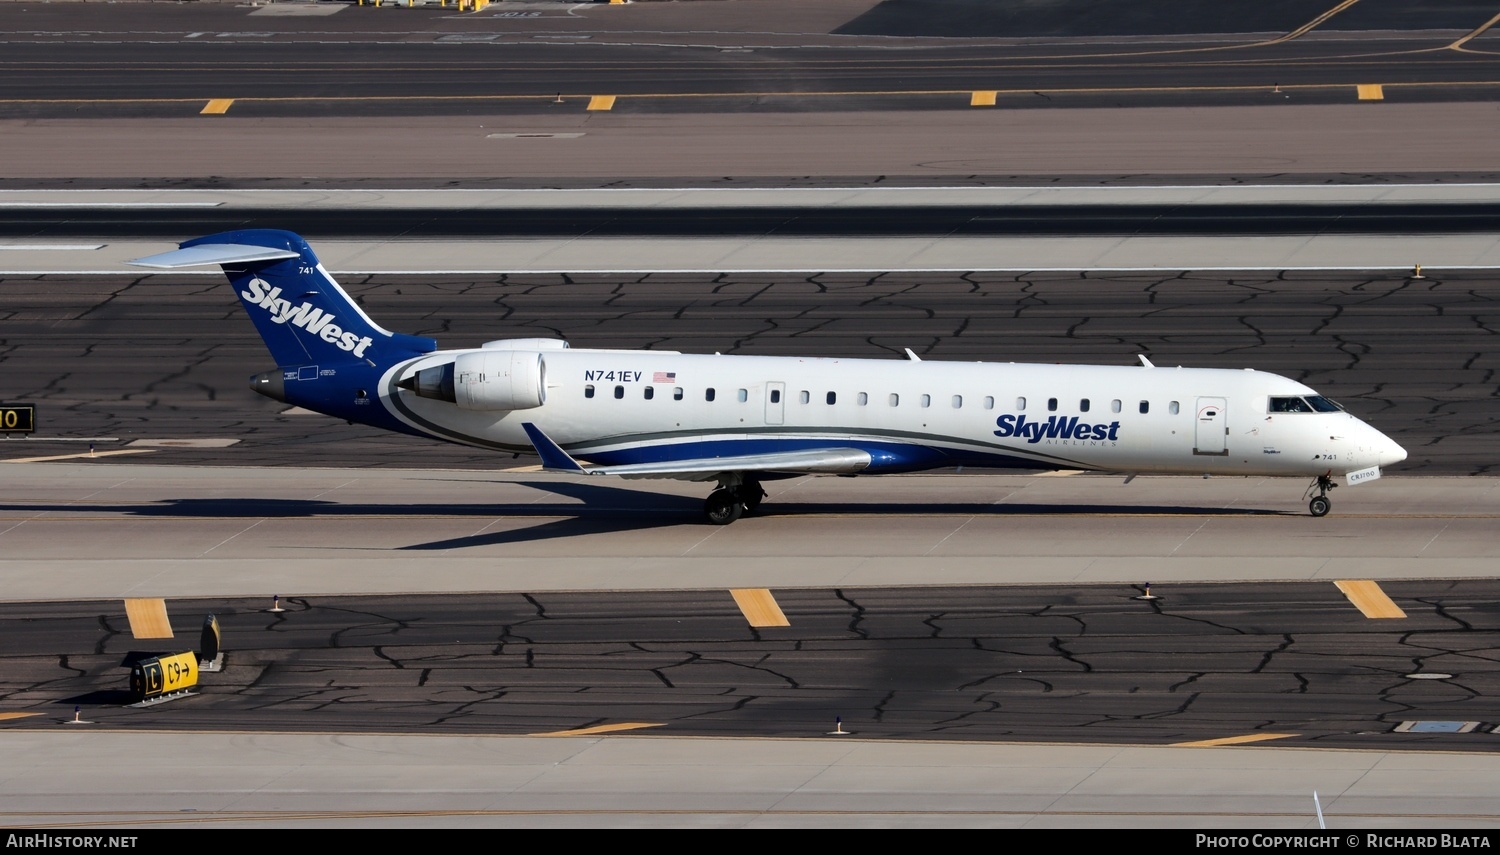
(1055, 427)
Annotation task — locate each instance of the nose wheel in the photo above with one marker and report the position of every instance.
(1320, 505)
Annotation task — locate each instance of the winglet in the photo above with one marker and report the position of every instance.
(1145, 363)
(553, 457)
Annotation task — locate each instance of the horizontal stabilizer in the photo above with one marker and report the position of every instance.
(811, 461)
(213, 253)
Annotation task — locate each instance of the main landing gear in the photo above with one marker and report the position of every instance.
(1320, 505)
(735, 496)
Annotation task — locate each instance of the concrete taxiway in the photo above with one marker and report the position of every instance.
(292, 781)
(107, 528)
(771, 251)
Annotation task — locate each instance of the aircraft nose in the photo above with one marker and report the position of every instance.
(1391, 453)
(1386, 451)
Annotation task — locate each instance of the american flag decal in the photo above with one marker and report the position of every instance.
(664, 377)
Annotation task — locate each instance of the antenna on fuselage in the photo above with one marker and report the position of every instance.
(912, 356)
(1145, 363)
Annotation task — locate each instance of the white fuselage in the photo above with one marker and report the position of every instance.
(627, 406)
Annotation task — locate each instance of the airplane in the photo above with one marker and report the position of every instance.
(741, 420)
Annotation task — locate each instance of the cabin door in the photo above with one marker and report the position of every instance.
(1212, 434)
(775, 403)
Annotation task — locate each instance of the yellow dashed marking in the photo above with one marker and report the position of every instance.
(216, 107)
(148, 618)
(603, 728)
(602, 102)
(759, 607)
(1368, 598)
(76, 456)
(7, 716)
(982, 99)
(1371, 92)
(1233, 740)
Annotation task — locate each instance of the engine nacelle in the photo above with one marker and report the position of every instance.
(485, 380)
(526, 344)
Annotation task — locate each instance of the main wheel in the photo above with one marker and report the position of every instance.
(1320, 506)
(723, 507)
(751, 495)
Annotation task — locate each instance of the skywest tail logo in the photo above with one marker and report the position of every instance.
(314, 320)
(1055, 427)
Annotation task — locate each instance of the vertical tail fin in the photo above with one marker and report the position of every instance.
(303, 315)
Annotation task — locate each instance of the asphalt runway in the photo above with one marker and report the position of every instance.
(723, 92)
(1293, 664)
(734, 57)
(1327, 218)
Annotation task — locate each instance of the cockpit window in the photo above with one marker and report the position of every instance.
(1290, 405)
(1309, 404)
(1323, 405)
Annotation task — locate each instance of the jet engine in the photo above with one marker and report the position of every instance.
(484, 380)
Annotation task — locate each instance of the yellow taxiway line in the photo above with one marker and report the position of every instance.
(83, 454)
(1233, 740)
(602, 728)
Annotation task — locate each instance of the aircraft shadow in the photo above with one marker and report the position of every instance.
(597, 520)
(600, 497)
(594, 509)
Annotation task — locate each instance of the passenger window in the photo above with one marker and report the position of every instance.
(863, 399)
(588, 391)
(958, 401)
(1020, 404)
(619, 392)
(650, 392)
(1114, 406)
(708, 394)
(1145, 406)
(989, 402)
(832, 397)
(677, 393)
(1172, 408)
(775, 396)
(743, 395)
(1083, 406)
(1051, 405)
(895, 400)
(805, 396)
(926, 400)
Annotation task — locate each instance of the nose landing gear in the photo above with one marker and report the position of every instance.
(1320, 504)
